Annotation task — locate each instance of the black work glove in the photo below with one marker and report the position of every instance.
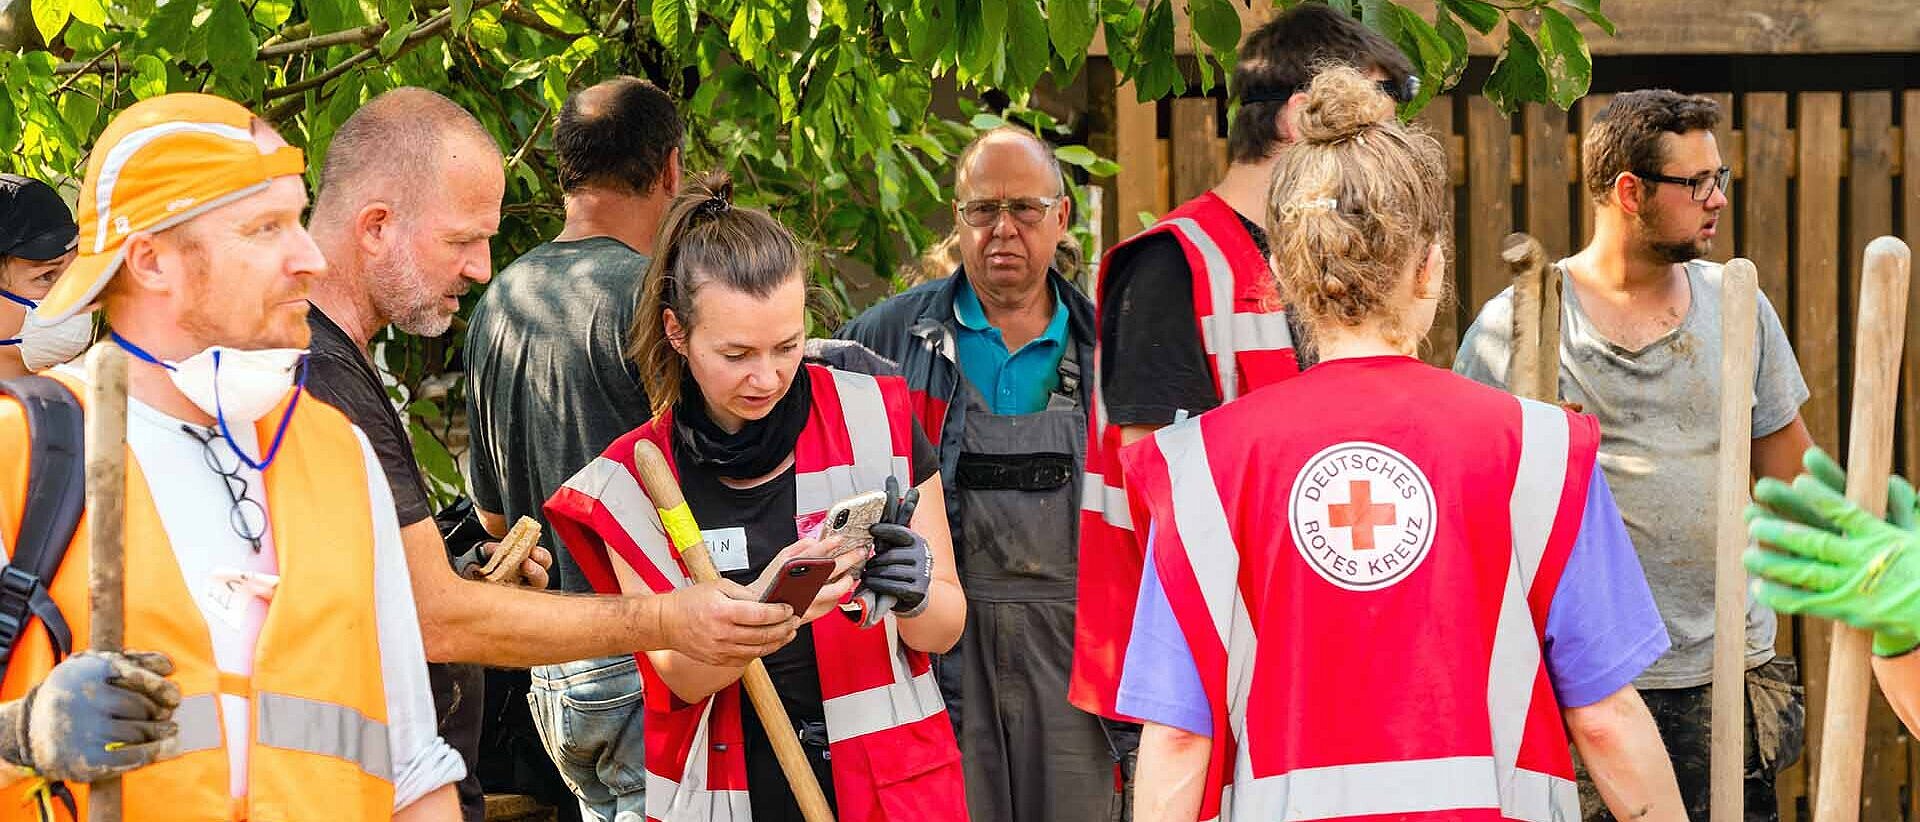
(97, 714)
(897, 577)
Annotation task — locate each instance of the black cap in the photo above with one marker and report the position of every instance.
(34, 222)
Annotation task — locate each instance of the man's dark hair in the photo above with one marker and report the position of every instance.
(1625, 136)
(617, 133)
(1284, 55)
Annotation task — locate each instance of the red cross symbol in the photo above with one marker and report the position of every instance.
(1361, 514)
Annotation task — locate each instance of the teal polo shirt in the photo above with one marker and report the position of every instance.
(1013, 382)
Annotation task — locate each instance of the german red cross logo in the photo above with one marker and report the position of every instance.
(1362, 515)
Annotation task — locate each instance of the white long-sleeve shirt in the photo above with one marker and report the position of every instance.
(196, 512)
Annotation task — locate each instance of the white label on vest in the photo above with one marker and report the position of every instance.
(1362, 515)
(728, 547)
(229, 592)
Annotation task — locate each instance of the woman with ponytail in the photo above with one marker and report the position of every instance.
(762, 446)
(1378, 589)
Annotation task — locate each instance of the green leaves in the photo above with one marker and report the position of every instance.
(1482, 16)
(1518, 76)
(1564, 54)
(149, 77)
(50, 16)
(1591, 8)
(1027, 40)
(1070, 25)
(230, 43)
(673, 23)
(1217, 26)
(1157, 76)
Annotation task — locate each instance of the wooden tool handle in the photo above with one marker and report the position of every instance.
(1876, 381)
(1533, 370)
(1739, 307)
(106, 445)
(657, 479)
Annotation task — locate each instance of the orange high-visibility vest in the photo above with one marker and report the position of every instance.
(320, 746)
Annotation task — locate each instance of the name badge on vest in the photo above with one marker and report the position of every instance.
(728, 547)
(229, 592)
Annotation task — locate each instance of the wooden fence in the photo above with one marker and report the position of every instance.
(1816, 175)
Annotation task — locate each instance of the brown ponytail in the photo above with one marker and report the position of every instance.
(703, 239)
(1355, 200)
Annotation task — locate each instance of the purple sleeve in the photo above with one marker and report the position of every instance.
(1602, 627)
(1159, 681)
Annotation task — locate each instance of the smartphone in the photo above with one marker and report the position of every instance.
(799, 581)
(850, 518)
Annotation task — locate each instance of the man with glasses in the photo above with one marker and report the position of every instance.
(1640, 343)
(263, 558)
(993, 355)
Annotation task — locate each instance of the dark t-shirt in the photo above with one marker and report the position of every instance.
(1156, 365)
(342, 377)
(766, 513)
(549, 385)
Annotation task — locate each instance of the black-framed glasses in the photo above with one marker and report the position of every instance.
(1702, 186)
(1025, 210)
(248, 517)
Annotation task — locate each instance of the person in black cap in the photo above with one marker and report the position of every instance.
(37, 241)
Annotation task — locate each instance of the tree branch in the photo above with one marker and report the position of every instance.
(526, 18)
(295, 91)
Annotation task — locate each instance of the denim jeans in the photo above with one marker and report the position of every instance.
(589, 716)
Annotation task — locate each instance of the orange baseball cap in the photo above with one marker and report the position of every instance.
(161, 162)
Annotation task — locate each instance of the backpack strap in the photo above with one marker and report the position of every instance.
(56, 497)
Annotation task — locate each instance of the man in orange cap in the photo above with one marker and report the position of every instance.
(267, 566)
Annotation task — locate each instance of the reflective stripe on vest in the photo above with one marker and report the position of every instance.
(1220, 292)
(1107, 501)
(869, 436)
(615, 488)
(1417, 785)
(199, 719)
(311, 726)
(1390, 788)
(1246, 331)
(688, 799)
(889, 706)
(1202, 522)
(296, 724)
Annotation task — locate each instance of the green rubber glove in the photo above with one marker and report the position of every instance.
(1832, 559)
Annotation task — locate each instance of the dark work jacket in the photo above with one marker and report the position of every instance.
(917, 329)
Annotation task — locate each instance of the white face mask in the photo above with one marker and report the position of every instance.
(44, 345)
(235, 386)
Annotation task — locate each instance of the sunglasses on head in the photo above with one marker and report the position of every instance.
(1402, 91)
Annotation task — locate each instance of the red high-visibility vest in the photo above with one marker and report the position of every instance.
(1366, 593)
(1244, 331)
(892, 745)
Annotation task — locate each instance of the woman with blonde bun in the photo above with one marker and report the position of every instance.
(1380, 590)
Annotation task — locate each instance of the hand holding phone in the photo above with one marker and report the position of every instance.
(850, 519)
(798, 582)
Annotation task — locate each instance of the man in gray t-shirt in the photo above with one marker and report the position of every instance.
(550, 387)
(1659, 412)
(1640, 349)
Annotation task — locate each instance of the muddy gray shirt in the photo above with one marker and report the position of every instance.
(1659, 437)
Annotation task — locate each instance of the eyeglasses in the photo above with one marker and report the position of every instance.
(1702, 185)
(1025, 210)
(248, 517)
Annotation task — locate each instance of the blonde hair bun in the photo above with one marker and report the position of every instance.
(1341, 104)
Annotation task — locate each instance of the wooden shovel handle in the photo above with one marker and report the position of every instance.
(657, 479)
(1876, 381)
